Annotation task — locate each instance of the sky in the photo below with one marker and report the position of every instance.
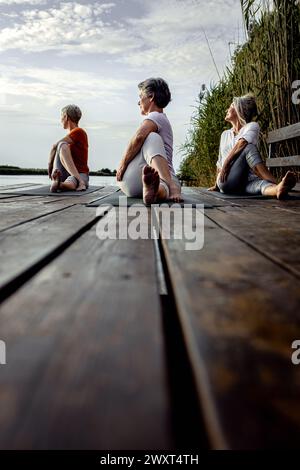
(94, 54)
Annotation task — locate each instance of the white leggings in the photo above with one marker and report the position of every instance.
(131, 183)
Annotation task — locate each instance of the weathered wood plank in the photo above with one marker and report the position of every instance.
(64, 199)
(209, 198)
(86, 365)
(87, 198)
(26, 246)
(274, 233)
(239, 314)
(4, 188)
(283, 161)
(285, 133)
(5, 197)
(21, 212)
(25, 210)
(252, 202)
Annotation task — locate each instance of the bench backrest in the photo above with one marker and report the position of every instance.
(280, 135)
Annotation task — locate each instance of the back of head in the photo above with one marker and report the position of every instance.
(73, 112)
(245, 107)
(158, 88)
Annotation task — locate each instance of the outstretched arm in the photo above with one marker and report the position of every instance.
(135, 145)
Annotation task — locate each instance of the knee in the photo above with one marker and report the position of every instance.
(252, 155)
(153, 146)
(251, 147)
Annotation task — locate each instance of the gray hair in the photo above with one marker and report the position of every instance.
(158, 88)
(245, 107)
(73, 112)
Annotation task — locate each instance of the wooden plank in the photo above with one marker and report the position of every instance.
(285, 133)
(3, 196)
(274, 233)
(65, 199)
(26, 210)
(239, 315)
(18, 213)
(209, 198)
(85, 364)
(87, 198)
(26, 247)
(290, 204)
(18, 186)
(283, 161)
(12, 199)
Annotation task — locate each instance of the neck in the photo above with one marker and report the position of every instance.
(154, 107)
(72, 126)
(236, 126)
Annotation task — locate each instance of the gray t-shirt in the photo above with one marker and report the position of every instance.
(164, 129)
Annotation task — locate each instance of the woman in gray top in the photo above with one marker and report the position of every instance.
(146, 168)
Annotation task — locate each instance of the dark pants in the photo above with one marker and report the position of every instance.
(237, 181)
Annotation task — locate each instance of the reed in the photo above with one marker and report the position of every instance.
(266, 65)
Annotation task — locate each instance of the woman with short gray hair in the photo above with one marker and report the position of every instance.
(146, 169)
(68, 160)
(240, 168)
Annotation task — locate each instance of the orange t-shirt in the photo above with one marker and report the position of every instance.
(79, 149)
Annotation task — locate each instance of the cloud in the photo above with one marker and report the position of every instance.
(126, 40)
(71, 28)
(55, 85)
(172, 36)
(19, 2)
(167, 39)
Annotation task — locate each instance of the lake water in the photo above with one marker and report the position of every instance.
(6, 180)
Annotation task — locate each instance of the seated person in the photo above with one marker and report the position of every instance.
(240, 168)
(146, 169)
(68, 157)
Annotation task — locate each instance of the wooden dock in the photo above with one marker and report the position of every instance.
(142, 344)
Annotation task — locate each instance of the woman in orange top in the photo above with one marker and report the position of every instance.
(69, 155)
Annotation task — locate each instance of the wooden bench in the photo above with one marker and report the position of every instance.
(281, 135)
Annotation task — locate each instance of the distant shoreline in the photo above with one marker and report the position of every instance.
(15, 170)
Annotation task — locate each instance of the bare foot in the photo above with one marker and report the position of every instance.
(81, 186)
(150, 185)
(56, 178)
(175, 193)
(286, 184)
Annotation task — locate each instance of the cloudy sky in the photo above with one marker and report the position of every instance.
(94, 53)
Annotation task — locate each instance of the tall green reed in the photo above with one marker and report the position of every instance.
(266, 65)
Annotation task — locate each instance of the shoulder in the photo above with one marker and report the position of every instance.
(78, 130)
(154, 115)
(226, 134)
(78, 133)
(251, 126)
